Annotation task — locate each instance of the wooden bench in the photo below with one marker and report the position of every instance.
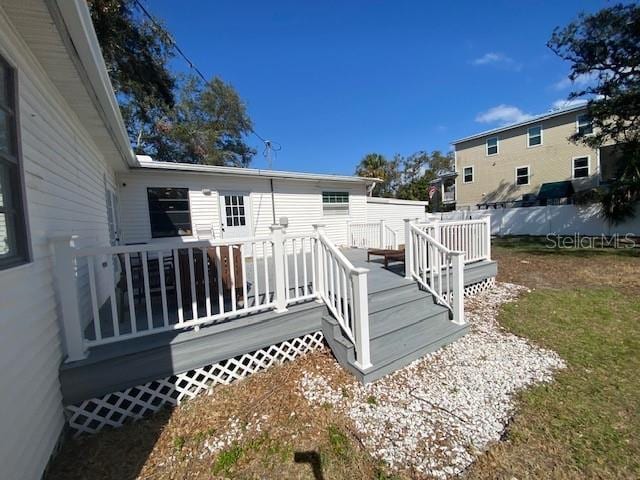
(388, 255)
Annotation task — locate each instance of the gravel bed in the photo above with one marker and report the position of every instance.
(435, 416)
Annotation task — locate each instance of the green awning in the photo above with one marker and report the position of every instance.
(555, 190)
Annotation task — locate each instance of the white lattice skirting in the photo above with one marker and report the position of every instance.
(476, 288)
(114, 409)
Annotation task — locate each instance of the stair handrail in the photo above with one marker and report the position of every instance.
(343, 288)
(436, 268)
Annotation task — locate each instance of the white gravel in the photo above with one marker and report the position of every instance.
(435, 416)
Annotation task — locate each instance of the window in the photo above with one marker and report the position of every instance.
(335, 202)
(14, 248)
(522, 176)
(234, 210)
(584, 126)
(467, 175)
(534, 136)
(581, 167)
(169, 212)
(492, 146)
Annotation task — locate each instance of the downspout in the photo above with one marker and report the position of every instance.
(273, 202)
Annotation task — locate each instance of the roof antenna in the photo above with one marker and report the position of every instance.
(270, 149)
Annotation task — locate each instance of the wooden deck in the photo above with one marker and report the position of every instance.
(402, 319)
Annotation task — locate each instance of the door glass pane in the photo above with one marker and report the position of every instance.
(5, 242)
(6, 140)
(5, 82)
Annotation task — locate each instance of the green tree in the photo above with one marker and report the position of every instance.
(605, 48)
(419, 170)
(206, 125)
(169, 118)
(375, 165)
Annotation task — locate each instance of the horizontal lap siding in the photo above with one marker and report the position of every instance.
(65, 180)
(299, 201)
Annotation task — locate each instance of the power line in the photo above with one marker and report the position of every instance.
(269, 145)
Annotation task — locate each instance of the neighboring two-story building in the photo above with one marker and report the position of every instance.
(531, 162)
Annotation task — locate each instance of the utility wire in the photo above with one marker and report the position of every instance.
(269, 145)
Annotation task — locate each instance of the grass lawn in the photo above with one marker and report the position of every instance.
(585, 305)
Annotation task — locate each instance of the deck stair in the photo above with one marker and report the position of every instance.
(405, 324)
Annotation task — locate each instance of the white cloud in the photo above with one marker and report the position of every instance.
(580, 81)
(503, 115)
(564, 103)
(497, 59)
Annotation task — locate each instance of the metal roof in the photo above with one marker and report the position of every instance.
(145, 162)
(536, 119)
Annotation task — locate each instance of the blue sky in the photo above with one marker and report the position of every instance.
(331, 81)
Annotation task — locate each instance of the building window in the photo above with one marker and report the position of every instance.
(522, 176)
(584, 125)
(14, 248)
(492, 146)
(169, 212)
(581, 167)
(534, 136)
(234, 209)
(467, 175)
(335, 202)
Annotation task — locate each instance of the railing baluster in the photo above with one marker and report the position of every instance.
(163, 290)
(205, 269)
(294, 244)
(218, 267)
(115, 319)
(265, 254)
(192, 279)
(147, 290)
(304, 267)
(94, 298)
(256, 288)
(132, 308)
(345, 296)
(232, 277)
(243, 263)
(286, 272)
(176, 268)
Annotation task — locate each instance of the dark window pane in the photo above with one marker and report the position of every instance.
(5, 85)
(581, 162)
(6, 133)
(241, 210)
(242, 221)
(169, 211)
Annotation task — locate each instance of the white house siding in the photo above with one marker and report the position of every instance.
(65, 181)
(300, 201)
(394, 214)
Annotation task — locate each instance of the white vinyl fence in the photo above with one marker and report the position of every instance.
(548, 220)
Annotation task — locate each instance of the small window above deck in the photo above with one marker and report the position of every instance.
(169, 212)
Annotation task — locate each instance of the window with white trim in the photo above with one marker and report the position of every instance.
(335, 202)
(14, 249)
(522, 175)
(584, 125)
(581, 167)
(467, 175)
(534, 136)
(492, 146)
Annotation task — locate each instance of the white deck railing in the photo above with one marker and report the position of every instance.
(343, 288)
(371, 235)
(473, 237)
(438, 269)
(115, 293)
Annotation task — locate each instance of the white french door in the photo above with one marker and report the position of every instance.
(235, 217)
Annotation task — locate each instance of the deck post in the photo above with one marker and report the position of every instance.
(67, 292)
(487, 237)
(277, 234)
(407, 248)
(382, 232)
(361, 324)
(457, 303)
(318, 229)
